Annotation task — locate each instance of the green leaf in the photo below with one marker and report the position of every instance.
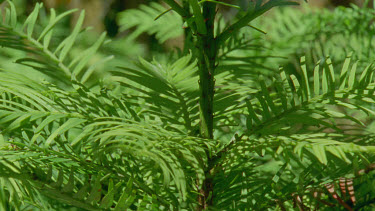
(48, 120)
(316, 81)
(82, 193)
(18, 122)
(108, 199)
(127, 197)
(96, 191)
(320, 153)
(13, 14)
(69, 187)
(60, 179)
(31, 20)
(344, 72)
(352, 76)
(80, 61)
(71, 123)
(53, 21)
(252, 114)
(66, 45)
(305, 78)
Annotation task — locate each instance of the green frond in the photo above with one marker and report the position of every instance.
(298, 124)
(143, 19)
(265, 171)
(168, 92)
(49, 60)
(172, 152)
(37, 120)
(67, 186)
(314, 96)
(298, 138)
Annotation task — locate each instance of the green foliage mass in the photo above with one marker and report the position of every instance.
(83, 127)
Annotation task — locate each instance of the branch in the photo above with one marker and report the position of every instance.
(176, 7)
(251, 15)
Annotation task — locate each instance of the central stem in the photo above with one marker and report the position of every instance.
(207, 52)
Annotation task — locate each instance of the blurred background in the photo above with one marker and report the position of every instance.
(101, 14)
(315, 29)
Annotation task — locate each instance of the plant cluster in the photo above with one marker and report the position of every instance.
(235, 120)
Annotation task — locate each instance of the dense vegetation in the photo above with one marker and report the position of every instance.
(252, 112)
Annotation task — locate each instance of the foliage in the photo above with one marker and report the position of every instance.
(144, 19)
(323, 33)
(75, 135)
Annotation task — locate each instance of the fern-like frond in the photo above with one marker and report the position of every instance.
(45, 128)
(299, 139)
(268, 171)
(51, 61)
(143, 19)
(315, 97)
(168, 92)
(75, 187)
(304, 127)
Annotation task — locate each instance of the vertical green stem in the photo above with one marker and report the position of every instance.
(207, 52)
